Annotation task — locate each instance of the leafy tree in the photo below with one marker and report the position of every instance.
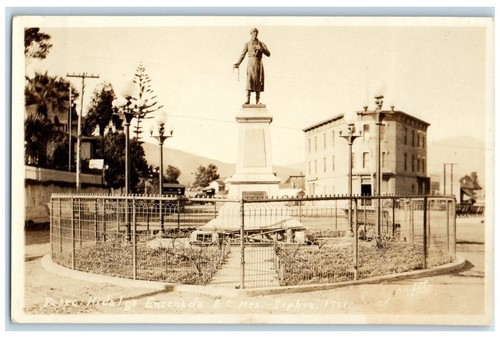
(57, 150)
(114, 158)
(470, 182)
(146, 97)
(205, 175)
(172, 174)
(100, 114)
(36, 43)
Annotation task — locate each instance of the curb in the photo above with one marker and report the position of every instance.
(159, 287)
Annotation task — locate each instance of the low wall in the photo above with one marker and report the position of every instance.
(40, 184)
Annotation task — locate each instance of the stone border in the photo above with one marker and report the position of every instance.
(158, 287)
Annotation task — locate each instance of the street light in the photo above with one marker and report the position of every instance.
(160, 136)
(378, 116)
(127, 107)
(350, 119)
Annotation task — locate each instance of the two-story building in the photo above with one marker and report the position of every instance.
(403, 155)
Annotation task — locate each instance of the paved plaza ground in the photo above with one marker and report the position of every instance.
(459, 296)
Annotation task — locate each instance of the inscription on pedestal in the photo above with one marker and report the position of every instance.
(254, 195)
(254, 152)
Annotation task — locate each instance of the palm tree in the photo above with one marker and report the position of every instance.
(44, 94)
(37, 131)
(47, 93)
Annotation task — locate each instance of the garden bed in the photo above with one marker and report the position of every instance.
(300, 265)
(178, 263)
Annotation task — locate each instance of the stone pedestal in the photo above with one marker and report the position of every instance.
(254, 176)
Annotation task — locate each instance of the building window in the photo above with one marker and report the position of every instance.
(382, 132)
(324, 164)
(366, 132)
(406, 136)
(366, 160)
(315, 143)
(309, 144)
(333, 137)
(333, 163)
(413, 163)
(413, 188)
(406, 161)
(309, 167)
(423, 141)
(413, 138)
(423, 165)
(324, 140)
(315, 167)
(418, 165)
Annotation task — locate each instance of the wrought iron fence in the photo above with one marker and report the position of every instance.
(251, 243)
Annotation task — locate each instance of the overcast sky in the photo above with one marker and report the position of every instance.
(318, 68)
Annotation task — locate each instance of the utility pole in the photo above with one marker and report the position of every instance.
(70, 129)
(83, 76)
(444, 177)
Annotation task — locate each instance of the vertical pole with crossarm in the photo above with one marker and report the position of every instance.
(83, 76)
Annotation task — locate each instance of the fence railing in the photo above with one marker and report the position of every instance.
(251, 243)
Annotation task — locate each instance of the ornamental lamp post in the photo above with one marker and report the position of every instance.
(127, 108)
(350, 119)
(161, 136)
(378, 116)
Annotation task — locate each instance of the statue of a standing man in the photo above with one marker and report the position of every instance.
(255, 68)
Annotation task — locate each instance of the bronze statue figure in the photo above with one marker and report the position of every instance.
(255, 69)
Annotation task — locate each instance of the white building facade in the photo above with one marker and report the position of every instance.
(403, 155)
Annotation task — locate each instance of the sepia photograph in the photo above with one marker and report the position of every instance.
(252, 170)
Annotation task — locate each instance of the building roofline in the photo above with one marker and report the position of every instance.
(340, 116)
(322, 123)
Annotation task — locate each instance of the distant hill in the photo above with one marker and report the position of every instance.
(468, 153)
(188, 163)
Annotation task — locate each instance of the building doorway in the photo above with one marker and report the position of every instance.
(366, 190)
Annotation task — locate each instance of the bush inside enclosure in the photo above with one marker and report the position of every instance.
(176, 263)
(312, 265)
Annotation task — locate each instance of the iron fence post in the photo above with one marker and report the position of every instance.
(73, 230)
(60, 227)
(118, 217)
(127, 218)
(79, 220)
(448, 225)
(454, 218)
(178, 214)
(104, 234)
(356, 252)
(134, 240)
(242, 245)
(393, 216)
(425, 233)
(96, 217)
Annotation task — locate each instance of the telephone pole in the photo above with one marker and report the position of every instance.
(444, 177)
(83, 76)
